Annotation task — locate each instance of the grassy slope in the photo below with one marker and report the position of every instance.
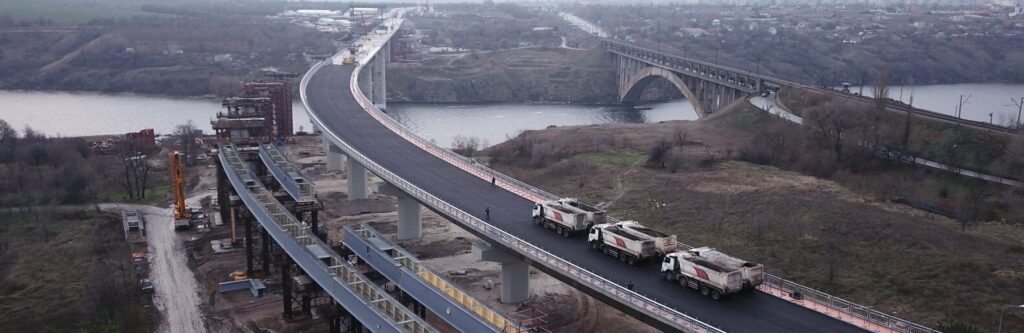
(78, 280)
(78, 11)
(525, 75)
(896, 258)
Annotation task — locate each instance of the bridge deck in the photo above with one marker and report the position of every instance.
(329, 98)
(286, 174)
(438, 294)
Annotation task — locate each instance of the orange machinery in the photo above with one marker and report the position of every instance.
(181, 213)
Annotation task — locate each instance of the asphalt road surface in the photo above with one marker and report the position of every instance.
(328, 94)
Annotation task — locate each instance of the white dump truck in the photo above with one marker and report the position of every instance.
(664, 243)
(614, 241)
(563, 218)
(594, 214)
(753, 273)
(695, 272)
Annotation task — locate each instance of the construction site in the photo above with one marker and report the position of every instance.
(245, 281)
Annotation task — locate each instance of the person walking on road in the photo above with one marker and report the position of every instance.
(487, 212)
(629, 285)
(493, 182)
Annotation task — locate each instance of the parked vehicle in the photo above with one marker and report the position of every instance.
(664, 243)
(614, 241)
(593, 214)
(559, 217)
(146, 285)
(753, 273)
(711, 272)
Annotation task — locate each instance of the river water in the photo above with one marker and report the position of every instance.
(82, 114)
(980, 99)
(79, 114)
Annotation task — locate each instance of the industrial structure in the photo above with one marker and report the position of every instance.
(260, 113)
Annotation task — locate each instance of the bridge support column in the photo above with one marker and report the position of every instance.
(380, 98)
(265, 240)
(333, 154)
(366, 80)
(356, 180)
(515, 272)
(410, 225)
(249, 260)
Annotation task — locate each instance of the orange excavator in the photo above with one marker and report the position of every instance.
(182, 216)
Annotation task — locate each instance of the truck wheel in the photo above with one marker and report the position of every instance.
(704, 290)
(667, 275)
(715, 295)
(683, 281)
(622, 256)
(565, 232)
(537, 220)
(595, 245)
(631, 260)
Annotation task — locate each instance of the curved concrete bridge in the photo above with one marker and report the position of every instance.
(358, 135)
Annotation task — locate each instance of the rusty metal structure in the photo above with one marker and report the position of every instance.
(260, 113)
(279, 90)
(245, 121)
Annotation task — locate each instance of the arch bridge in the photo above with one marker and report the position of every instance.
(709, 87)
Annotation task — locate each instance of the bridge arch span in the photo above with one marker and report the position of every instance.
(635, 85)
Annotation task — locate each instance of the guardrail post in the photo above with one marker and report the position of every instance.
(356, 180)
(515, 272)
(410, 225)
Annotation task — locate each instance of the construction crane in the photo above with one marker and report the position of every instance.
(181, 213)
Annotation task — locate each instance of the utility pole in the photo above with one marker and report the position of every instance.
(960, 108)
(1020, 106)
(863, 76)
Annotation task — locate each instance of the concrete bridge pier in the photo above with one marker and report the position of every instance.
(380, 61)
(356, 180)
(334, 155)
(366, 80)
(515, 272)
(410, 225)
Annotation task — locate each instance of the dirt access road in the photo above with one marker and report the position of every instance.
(176, 291)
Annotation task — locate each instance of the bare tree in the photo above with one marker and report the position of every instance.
(136, 168)
(8, 142)
(465, 146)
(656, 155)
(674, 159)
(680, 134)
(186, 135)
(831, 124)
